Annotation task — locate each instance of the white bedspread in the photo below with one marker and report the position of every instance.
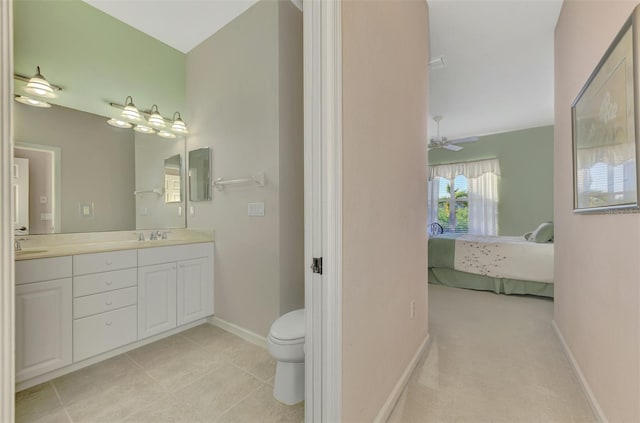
(504, 257)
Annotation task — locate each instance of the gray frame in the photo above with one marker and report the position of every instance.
(591, 133)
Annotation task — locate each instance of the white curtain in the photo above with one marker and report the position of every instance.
(483, 204)
(433, 190)
(468, 169)
(482, 177)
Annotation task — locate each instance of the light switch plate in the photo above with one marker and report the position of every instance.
(255, 209)
(86, 209)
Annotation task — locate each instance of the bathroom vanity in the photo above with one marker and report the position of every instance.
(73, 310)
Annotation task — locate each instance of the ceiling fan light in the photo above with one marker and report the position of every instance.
(32, 102)
(38, 85)
(156, 120)
(119, 123)
(178, 125)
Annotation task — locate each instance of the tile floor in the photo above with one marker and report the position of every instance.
(204, 374)
(493, 358)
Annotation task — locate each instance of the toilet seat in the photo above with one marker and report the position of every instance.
(289, 328)
(286, 341)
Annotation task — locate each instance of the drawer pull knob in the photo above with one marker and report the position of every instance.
(108, 303)
(109, 262)
(108, 322)
(108, 283)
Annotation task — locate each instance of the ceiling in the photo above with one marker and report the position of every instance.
(181, 24)
(499, 54)
(498, 75)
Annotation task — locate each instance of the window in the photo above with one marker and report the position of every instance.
(463, 197)
(453, 204)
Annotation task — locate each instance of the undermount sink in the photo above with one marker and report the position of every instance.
(26, 251)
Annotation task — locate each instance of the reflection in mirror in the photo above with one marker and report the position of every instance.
(159, 204)
(172, 179)
(36, 180)
(82, 173)
(199, 174)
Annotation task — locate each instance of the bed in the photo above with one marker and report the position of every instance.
(505, 264)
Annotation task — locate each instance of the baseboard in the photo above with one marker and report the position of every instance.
(243, 333)
(593, 402)
(387, 408)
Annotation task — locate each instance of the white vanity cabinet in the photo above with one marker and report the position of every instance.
(104, 302)
(157, 299)
(175, 286)
(74, 310)
(195, 290)
(43, 316)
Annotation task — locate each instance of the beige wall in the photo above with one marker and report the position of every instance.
(238, 89)
(97, 164)
(597, 295)
(290, 158)
(385, 78)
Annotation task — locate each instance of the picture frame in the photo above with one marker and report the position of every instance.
(605, 129)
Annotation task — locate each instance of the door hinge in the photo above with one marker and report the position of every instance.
(316, 267)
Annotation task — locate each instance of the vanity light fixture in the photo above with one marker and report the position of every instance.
(130, 111)
(144, 129)
(156, 123)
(38, 85)
(32, 102)
(119, 123)
(166, 134)
(178, 125)
(156, 120)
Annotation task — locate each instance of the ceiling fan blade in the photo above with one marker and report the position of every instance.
(463, 140)
(452, 147)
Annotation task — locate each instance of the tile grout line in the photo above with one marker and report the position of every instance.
(249, 373)
(171, 394)
(64, 407)
(240, 401)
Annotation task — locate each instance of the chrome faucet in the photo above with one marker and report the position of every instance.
(16, 243)
(154, 235)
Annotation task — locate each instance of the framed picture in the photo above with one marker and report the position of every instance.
(605, 129)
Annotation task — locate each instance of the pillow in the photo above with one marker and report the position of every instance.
(527, 235)
(543, 233)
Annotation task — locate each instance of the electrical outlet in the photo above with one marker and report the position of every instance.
(412, 307)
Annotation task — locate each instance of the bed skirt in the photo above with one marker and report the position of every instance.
(457, 279)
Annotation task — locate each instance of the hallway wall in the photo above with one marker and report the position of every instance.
(385, 83)
(597, 295)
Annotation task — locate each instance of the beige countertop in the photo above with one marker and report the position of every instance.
(37, 247)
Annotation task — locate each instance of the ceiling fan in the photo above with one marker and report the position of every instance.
(443, 142)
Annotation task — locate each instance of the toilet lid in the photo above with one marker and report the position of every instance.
(289, 326)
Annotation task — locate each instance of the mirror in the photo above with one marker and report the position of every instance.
(83, 174)
(172, 179)
(199, 174)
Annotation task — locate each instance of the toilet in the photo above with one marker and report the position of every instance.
(286, 345)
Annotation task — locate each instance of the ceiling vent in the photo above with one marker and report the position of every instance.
(437, 63)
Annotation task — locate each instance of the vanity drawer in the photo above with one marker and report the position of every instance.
(103, 332)
(106, 301)
(173, 253)
(101, 262)
(105, 281)
(44, 269)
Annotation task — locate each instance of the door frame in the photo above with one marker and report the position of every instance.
(323, 208)
(7, 290)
